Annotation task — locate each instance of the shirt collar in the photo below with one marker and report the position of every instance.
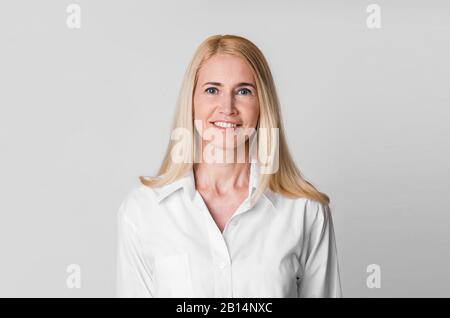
(187, 182)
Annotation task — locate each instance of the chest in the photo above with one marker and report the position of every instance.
(258, 256)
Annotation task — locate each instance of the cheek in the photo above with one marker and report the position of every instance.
(250, 114)
(201, 108)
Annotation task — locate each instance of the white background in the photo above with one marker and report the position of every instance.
(85, 111)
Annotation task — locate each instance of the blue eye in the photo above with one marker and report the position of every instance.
(211, 90)
(245, 91)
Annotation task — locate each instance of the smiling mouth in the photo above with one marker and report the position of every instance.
(223, 124)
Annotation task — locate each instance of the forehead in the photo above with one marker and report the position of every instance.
(225, 68)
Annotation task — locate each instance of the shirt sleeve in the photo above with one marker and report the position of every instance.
(133, 276)
(320, 277)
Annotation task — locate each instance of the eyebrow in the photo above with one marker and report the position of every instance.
(220, 84)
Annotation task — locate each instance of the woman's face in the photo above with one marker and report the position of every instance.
(225, 100)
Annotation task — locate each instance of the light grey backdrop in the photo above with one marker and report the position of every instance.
(85, 111)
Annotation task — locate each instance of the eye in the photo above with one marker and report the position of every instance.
(244, 91)
(211, 90)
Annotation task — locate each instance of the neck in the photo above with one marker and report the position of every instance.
(223, 177)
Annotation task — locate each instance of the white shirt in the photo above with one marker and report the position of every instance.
(170, 246)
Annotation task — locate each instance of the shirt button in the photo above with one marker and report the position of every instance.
(222, 265)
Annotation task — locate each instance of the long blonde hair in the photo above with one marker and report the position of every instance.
(287, 180)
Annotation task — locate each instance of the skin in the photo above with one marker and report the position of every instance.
(220, 95)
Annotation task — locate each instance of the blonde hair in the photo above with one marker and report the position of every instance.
(287, 180)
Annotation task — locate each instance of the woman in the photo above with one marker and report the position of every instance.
(228, 214)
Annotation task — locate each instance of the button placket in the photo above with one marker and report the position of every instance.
(220, 254)
(223, 282)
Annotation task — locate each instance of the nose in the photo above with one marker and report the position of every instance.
(227, 106)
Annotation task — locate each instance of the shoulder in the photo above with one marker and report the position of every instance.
(137, 199)
(309, 210)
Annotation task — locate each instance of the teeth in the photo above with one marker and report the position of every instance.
(225, 125)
